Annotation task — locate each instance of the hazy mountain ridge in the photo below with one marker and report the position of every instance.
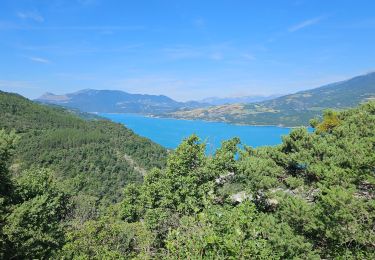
(290, 110)
(116, 101)
(235, 100)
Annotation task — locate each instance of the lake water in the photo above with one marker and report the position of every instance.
(170, 132)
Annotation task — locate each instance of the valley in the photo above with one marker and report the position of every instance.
(170, 132)
(198, 130)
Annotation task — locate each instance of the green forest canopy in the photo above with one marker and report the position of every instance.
(310, 197)
(94, 158)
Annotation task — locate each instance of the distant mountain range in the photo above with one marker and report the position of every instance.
(290, 110)
(234, 100)
(116, 101)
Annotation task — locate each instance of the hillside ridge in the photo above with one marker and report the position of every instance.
(293, 109)
(95, 157)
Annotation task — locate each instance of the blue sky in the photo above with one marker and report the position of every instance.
(183, 49)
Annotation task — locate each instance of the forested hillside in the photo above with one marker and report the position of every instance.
(92, 157)
(310, 197)
(291, 110)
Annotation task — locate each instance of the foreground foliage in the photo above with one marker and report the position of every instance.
(310, 197)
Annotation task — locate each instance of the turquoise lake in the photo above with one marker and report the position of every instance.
(170, 132)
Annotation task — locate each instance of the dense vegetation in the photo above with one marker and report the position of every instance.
(94, 158)
(291, 110)
(310, 197)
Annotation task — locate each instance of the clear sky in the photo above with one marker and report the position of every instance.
(184, 49)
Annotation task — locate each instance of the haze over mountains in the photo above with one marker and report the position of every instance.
(116, 101)
(289, 110)
(233, 100)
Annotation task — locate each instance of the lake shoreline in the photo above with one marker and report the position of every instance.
(169, 132)
(202, 120)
